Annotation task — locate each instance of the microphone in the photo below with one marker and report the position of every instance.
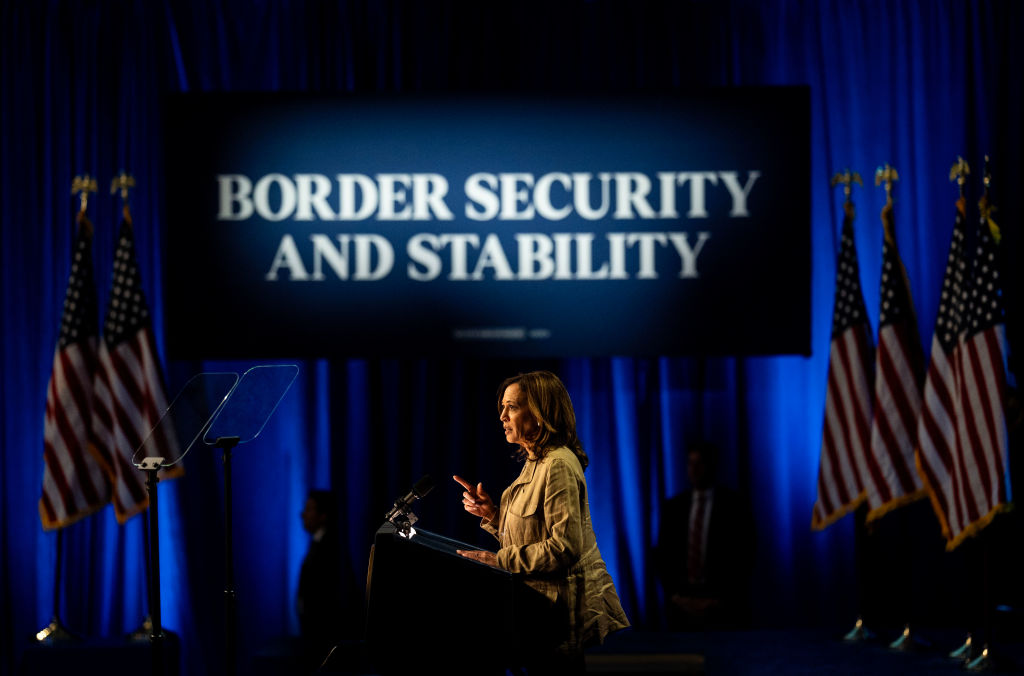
(400, 510)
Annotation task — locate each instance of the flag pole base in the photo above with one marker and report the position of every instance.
(906, 642)
(982, 662)
(54, 632)
(858, 633)
(964, 652)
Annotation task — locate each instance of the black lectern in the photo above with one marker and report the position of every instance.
(429, 607)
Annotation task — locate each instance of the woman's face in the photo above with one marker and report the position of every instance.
(520, 425)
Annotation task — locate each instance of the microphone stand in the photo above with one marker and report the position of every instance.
(401, 515)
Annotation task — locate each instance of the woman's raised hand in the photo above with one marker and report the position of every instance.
(476, 501)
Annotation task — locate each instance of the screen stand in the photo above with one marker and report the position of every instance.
(224, 411)
(151, 466)
(243, 416)
(227, 444)
(182, 423)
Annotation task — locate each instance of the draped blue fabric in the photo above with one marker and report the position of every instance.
(913, 83)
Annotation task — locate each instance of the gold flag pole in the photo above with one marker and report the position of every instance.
(122, 183)
(985, 204)
(847, 178)
(82, 186)
(887, 175)
(55, 630)
(986, 661)
(959, 173)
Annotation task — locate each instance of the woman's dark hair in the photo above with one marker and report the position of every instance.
(548, 402)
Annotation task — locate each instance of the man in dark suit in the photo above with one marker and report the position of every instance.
(704, 552)
(319, 602)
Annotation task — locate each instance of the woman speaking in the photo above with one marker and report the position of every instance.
(543, 520)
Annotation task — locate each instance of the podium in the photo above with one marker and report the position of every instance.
(429, 607)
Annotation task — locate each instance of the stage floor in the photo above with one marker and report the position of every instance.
(798, 652)
(793, 652)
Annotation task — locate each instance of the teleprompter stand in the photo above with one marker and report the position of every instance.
(151, 466)
(223, 411)
(181, 425)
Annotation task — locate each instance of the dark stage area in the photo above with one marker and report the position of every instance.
(769, 652)
(795, 652)
(778, 652)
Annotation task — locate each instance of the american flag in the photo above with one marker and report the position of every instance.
(129, 390)
(844, 468)
(74, 484)
(899, 370)
(936, 426)
(963, 439)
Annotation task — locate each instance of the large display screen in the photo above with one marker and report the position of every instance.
(308, 226)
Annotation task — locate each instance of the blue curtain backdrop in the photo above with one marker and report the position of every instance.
(913, 83)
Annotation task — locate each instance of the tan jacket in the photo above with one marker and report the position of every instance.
(544, 531)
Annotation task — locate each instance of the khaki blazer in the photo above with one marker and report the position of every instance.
(544, 531)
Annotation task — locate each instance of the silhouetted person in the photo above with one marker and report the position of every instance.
(705, 550)
(319, 602)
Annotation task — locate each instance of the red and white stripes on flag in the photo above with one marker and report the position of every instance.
(899, 370)
(845, 458)
(962, 439)
(74, 484)
(128, 389)
(936, 426)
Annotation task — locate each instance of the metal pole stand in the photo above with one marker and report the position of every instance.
(982, 662)
(151, 466)
(230, 599)
(144, 630)
(965, 652)
(55, 631)
(858, 633)
(907, 642)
